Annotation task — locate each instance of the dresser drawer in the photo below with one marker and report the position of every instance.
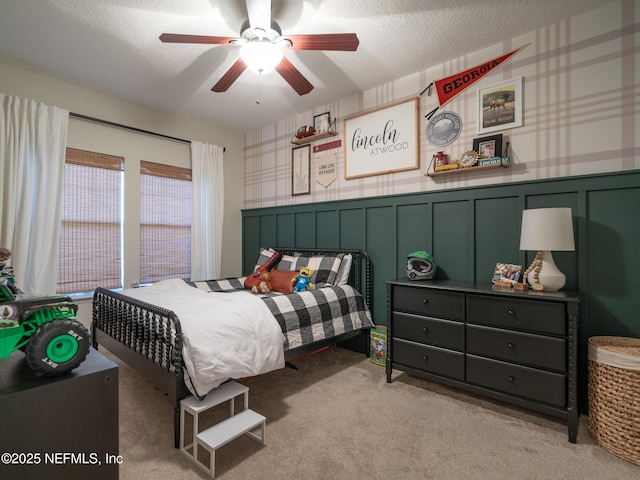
(517, 314)
(525, 348)
(525, 382)
(429, 302)
(427, 330)
(428, 359)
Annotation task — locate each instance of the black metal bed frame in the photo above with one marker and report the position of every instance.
(149, 338)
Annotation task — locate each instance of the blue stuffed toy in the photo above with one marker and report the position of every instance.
(303, 280)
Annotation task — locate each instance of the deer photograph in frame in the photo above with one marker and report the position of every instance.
(301, 170)
(500, 106)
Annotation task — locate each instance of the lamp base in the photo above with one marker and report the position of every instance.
(548, 274)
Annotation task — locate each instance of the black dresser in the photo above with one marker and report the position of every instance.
(518, 347)
(59, 428)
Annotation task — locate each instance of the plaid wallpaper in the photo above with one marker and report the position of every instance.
(581, 95)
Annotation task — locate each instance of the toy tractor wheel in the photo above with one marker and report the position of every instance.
(58, 347)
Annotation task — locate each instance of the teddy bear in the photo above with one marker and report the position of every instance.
(264, 284)
(303, 280)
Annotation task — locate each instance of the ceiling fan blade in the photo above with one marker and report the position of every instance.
(230, 76)
(180, 38)
(259, 14)
(347, 42)
(293, 77)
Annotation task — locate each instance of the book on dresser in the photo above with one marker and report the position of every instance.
(517, 347)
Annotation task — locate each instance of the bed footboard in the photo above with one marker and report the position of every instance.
(151, 331)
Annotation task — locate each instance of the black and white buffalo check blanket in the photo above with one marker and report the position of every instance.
(308, 316)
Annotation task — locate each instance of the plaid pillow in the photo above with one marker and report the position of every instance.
(287, 262)
(325, 268)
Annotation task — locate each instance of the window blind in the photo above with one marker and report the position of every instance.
(165, 222)
(91, 230)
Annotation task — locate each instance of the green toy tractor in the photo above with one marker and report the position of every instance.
(44, 328)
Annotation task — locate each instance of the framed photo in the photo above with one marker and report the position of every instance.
(322, 122)
(488, 147)
(506, 273)
(383, 140)
(500, 106)
(301, 170)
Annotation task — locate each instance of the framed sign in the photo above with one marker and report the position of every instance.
(381, 141)
(301, 170)
(500, 106)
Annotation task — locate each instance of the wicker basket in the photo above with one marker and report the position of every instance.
(614, 395)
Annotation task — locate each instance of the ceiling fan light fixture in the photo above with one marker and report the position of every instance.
(261, 56)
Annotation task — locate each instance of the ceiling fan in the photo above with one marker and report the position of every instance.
(263, 47)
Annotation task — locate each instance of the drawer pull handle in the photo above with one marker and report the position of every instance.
(425, 301)
(425, 357)
(425, 330)
(511, 379)
(511, 313)
(511, 346)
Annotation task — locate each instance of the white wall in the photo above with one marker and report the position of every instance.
(134, 147)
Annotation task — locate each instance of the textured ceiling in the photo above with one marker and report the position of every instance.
(113, 46)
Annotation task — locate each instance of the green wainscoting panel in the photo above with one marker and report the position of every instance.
(352, 232)
(381, 240)
(468, 230)
(453, 239)
(327, 228)
(497, 234)
(285, 234)
(413, 233)
(305, 229)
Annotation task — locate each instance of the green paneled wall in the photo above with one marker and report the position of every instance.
(469, 230)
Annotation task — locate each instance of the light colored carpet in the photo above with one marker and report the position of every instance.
(336, 417)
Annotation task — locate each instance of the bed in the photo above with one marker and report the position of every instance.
(151, 338)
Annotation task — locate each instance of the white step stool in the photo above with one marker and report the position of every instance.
(223, 432)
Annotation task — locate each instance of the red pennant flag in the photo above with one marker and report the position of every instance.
(452, 86)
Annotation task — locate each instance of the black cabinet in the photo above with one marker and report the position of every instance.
(59, 427)
(519, 347)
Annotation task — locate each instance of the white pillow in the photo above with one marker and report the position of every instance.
(345, 270)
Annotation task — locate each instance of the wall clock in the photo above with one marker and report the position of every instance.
(443, 128)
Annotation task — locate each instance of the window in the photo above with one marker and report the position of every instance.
(165, 222)
(91, 230)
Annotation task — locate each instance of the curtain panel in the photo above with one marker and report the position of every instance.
(32, 156)
(208, 211)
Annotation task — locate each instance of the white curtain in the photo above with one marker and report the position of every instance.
(32, 154)
(208, 211)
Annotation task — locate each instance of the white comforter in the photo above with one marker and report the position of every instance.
(226, 335)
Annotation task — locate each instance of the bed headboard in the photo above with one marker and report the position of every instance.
(361, 275)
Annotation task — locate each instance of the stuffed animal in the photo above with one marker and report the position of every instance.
(264, 284)
(303, 280)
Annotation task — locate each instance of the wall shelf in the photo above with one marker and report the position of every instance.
(504, 163)
(312, 138)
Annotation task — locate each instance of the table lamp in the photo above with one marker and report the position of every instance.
(544, 230)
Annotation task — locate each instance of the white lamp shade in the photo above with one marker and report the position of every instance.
(547, 229)
(261, 56)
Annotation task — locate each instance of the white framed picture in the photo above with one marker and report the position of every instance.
(500, 106)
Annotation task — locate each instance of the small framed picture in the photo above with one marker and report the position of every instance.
(301, 170)
(488, 147)
(322, 122)
(506, 273)
(500, 106)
